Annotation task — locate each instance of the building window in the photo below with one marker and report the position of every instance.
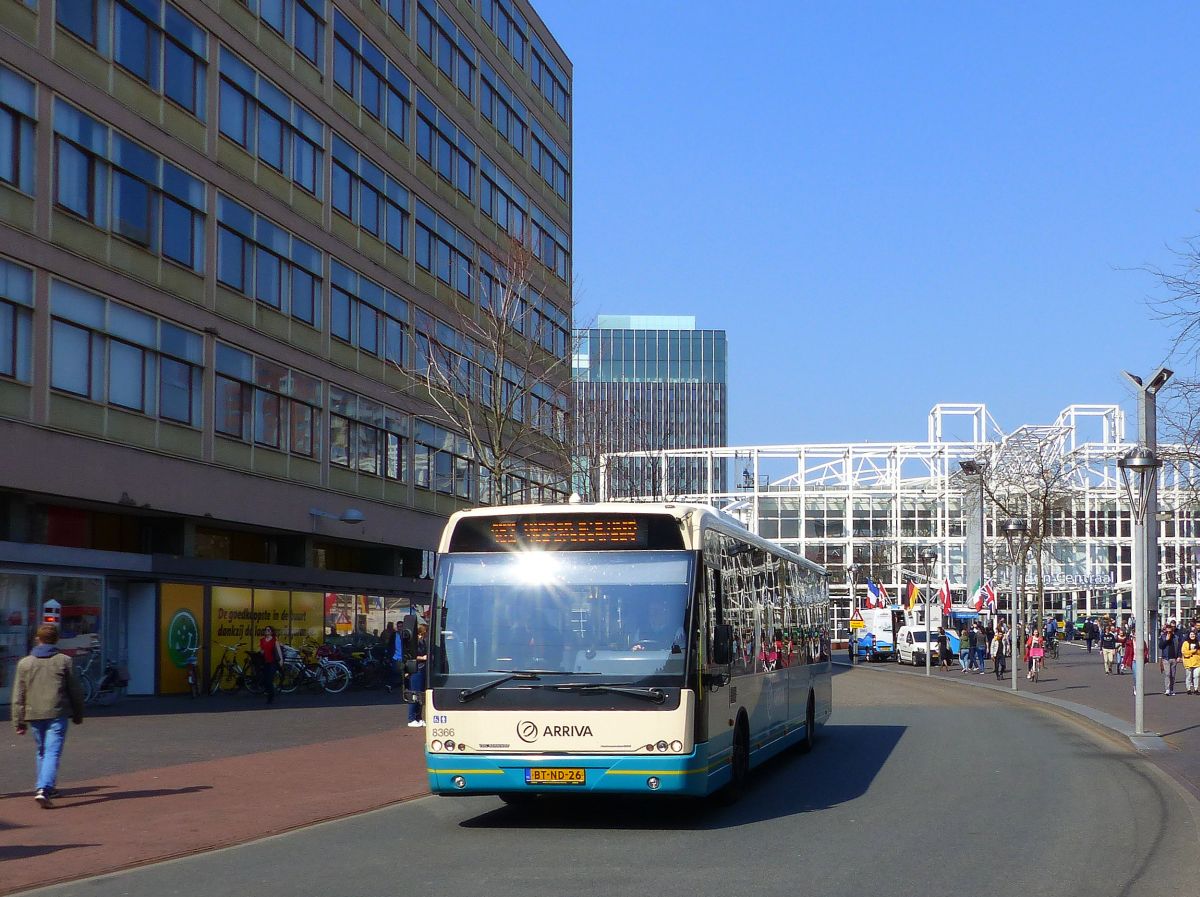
(550, 161)
(443, 251)
(16, 320)
(442, 461)
(367, 437)
(446, 357)
(507, 24)
(446, 149)
(110, 353)
(549, 79)
(551, 245)
(447, 47)
(300, 24)
(373, 200)
(502, 108)
(265, 403)
(269, 124)
(150, 39)
(365, 315)
(502, 200)
(18, 116)
(119, 186)
(397, 10)
(261, 260)
(363, 71)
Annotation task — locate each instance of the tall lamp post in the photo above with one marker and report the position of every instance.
(1014, 535)
(1139, 472)
(851, 579)
(928, 556)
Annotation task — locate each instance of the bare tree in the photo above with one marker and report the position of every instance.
(498, 374)
(1028, 476)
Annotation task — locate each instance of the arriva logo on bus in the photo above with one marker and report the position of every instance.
(527, 731)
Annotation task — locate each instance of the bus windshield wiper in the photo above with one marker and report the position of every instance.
(467, 694)
(657, 695)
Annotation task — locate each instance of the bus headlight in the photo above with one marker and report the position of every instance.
(652, 783)
(662, 746)
(435, 746)
(677, 746)
(459, 782)
(449, 745)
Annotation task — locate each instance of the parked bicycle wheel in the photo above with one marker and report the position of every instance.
(289, 678)
(335, 677)
(89, 688)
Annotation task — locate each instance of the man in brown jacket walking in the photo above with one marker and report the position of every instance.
(45, 693)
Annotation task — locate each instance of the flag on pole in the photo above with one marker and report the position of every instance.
(914, 594)
(944, 595)
(989, 596)
(877, 594)
(977, 595)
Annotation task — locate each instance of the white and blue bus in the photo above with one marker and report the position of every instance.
(648, 648)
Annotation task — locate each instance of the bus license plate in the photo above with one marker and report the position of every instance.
(555, 776)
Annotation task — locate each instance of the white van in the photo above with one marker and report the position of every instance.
(910, 645)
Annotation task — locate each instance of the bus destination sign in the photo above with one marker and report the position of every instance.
(568, 532)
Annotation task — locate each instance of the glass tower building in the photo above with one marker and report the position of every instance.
(645, 384)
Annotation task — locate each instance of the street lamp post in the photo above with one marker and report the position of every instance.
(1139, 472)
(1014, 535)
(851, 579)
(928, 556)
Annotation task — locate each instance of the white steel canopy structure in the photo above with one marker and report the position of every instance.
(882, 505)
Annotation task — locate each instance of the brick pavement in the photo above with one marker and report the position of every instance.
(154, 778)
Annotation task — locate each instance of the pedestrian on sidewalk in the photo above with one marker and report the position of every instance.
(389, 649)
(999, 652)
(943, 644)
(1126, 641)
(981, 647)
(966, 650)
(46, 691)
(272, 661)
(1191, 663)
(416, 716)
(1108, 648)
(1169, 645)
(1089, 633)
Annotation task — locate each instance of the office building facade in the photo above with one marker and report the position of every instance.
(233, 233)
(644, 384)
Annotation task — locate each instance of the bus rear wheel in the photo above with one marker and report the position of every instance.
(810, 726)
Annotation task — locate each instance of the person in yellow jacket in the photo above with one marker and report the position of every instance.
(1191, 662)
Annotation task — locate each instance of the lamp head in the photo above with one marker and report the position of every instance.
(352, 515)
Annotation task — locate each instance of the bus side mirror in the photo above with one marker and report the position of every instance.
(407, 633)
(722, 651)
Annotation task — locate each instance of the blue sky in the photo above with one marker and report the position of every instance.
(887, 205)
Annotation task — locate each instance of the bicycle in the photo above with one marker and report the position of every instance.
(1052, 648)
(110, 687)
(231, 676)
(193, 668)
(331, 675)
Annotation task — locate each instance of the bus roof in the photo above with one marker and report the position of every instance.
(681, 511)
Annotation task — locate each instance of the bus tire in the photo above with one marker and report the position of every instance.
(739, 763)
(810, 725)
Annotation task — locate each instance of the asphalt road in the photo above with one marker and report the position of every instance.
(914, 788)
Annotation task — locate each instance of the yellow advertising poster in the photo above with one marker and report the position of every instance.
(232, 622)
(307, 617)
(271, 608)
(181, 614)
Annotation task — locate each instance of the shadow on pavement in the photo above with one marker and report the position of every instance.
(841, 768)
(147, 705)
(28, 851)
(65, 803)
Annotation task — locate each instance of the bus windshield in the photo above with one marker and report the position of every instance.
(604, 615)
